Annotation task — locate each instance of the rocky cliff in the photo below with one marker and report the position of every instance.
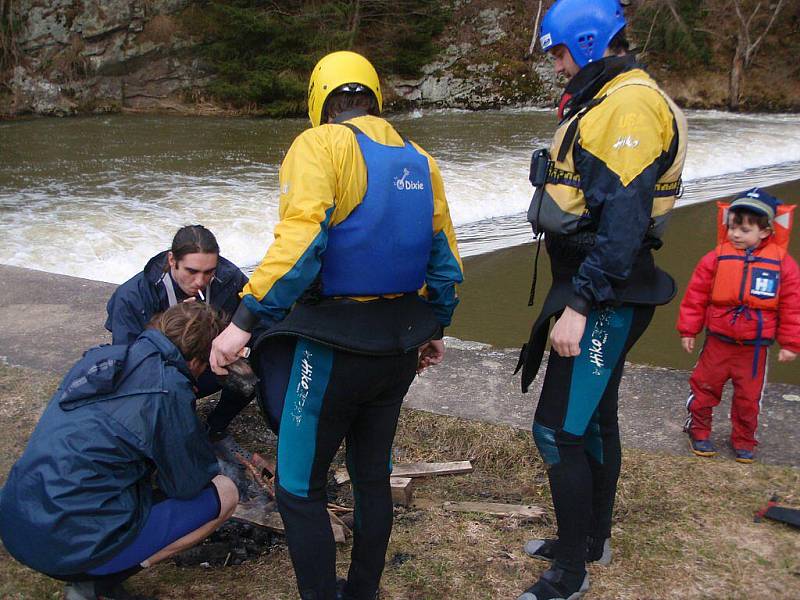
(99, 56)
(89, 56)
(86, 56)
(484, 66)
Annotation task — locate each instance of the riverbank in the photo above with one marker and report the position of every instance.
(169, 56)
(495, 293)
(50, 331)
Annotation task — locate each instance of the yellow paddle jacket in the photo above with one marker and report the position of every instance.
(322, 181)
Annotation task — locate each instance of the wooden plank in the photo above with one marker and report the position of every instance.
(402, 490)
(418, 470)
(523, 511)
(257, 515)
(340, 531)
(270, 519)
(341, 476)
(427, 469)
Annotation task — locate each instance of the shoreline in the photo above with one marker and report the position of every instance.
(493, 307)
(503, 319)
(43, 335)
(218, 111)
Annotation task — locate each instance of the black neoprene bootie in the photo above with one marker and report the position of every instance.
(99, 590)
(557, 584)
(597, 551)
(340, 594)
(80, 590)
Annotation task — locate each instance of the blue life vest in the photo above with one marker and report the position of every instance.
(384, 245)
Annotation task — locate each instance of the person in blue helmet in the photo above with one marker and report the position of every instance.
(604, 190)
(356, 290)
(79, 504)
(192, 270)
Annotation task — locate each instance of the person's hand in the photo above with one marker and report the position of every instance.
(431, 353)
(688, 344)
(567, 333)
(226, 348)
(786, 355)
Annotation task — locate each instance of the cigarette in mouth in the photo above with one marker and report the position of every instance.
(202, 297)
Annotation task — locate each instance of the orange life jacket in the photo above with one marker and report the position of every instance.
(748, 278)
(751, 278)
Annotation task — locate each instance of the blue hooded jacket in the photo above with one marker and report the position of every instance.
(81, 491)
(134, 302)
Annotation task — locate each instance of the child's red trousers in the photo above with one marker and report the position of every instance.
(718, 362)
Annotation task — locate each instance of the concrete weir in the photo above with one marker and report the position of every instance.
(48, 320)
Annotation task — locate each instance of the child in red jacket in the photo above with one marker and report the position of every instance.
(746, 293)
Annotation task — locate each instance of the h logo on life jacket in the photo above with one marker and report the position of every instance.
(402, 183)
(764, 283)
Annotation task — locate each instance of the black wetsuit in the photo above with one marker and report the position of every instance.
(604, 270)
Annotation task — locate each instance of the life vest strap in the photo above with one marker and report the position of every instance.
(172, 299)
(752, 258)
(572, 130)
(730, 340)
(561, 177)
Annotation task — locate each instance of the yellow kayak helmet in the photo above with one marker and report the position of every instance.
(335, 71)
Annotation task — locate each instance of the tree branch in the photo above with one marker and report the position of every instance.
(752, 49)
(676, 15)
(535, 30)
(652, 25)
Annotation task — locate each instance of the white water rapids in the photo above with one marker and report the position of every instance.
(96, 197)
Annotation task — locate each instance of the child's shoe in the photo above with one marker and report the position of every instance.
(703, 447)
(744, 456)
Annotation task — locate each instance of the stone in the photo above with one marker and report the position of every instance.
(100, 17)
(489, 25)
(46, 24)
(84, 55)
(34, 93)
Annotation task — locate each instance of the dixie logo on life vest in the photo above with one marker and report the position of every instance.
(764, 283)
(402, 183)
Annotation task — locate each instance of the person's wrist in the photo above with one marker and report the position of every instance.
(244, 319)
(579, 304)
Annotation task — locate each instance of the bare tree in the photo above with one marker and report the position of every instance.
(9, 53)
(355, 23)
(535, 30)
(746, 46)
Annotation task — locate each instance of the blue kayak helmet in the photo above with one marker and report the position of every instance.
(585, 27)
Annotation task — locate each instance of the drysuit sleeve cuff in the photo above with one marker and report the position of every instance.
(244, 319)
(579, 304)
(439, 334)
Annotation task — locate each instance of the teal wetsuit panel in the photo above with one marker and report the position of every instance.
(593, 439)
(602, 347)
(297, 442)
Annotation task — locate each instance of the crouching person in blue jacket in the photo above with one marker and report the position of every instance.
(79, 504)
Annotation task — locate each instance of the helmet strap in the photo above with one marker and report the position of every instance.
(349, 114)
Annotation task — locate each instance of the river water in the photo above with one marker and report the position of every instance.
(95, 197)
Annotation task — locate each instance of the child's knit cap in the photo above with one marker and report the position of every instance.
(757, 201)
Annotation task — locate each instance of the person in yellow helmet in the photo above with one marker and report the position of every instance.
(356, 290)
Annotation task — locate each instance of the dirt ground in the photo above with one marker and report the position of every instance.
(683, 525)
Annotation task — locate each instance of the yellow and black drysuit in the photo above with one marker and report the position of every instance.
(611, 179)
(365, 259)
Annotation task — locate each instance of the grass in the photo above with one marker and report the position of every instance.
(683, 525)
